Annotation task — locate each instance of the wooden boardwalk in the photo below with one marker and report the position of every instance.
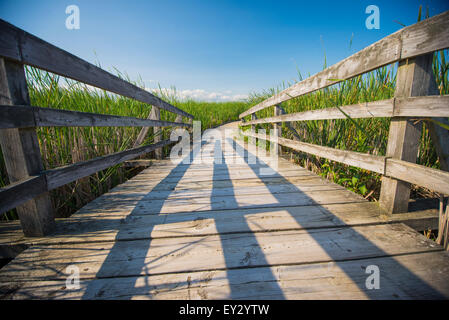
(217, 231)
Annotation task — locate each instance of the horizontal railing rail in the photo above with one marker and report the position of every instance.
(416, 98)
(430, 106)
(28, 191)
(27, 116)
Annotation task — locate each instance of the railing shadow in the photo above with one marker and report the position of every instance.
(229, 255)
(138, 264)
(431, 292)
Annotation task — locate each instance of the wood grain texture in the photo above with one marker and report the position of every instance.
(26, 116)
(421, 107)
(15, 194)
(334, 280)
(357, 159)
(432, 179)
(414, 78)
(21, 153)
(191, 254)
(63, 175)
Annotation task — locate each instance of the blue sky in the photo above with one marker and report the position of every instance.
(213, 50)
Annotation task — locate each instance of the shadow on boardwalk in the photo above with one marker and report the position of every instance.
(269, 282)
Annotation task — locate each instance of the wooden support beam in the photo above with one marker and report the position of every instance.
(21, 152)
(60, 176)
(15, 194)
(414, 78)
(278, 127)
(26, 116)
(438, 134)
(156, 115)
(289, 126)
(253, 129)
(178, 118)
(419, 107)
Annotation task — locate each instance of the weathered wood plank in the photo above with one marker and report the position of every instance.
(427, 106)
(119, 224)
(24, 48)
(432, 179)
(426, 36)
(25, 116)
(281, 251)
(430, 106)
(216, 252)
(334, 280)
(21, 152)
(352, 158)
(414, 78)
(18, 192)
(63, 175)
(383, 108)
(269, 200)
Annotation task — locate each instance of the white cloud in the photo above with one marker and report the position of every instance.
(202, 95)
(195, 94)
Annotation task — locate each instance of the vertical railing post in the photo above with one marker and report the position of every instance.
(156, 115)
(252, 140)
(278, 126)
(414, 78)
(21, 152)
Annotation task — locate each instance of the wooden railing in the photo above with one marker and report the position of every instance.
(415, 97)
(28, 191)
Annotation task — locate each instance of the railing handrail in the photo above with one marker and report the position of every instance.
(423, 37)
(421, 106)
(22, 47)
(30, 116)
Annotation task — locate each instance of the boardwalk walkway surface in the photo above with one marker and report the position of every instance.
(213, 231)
